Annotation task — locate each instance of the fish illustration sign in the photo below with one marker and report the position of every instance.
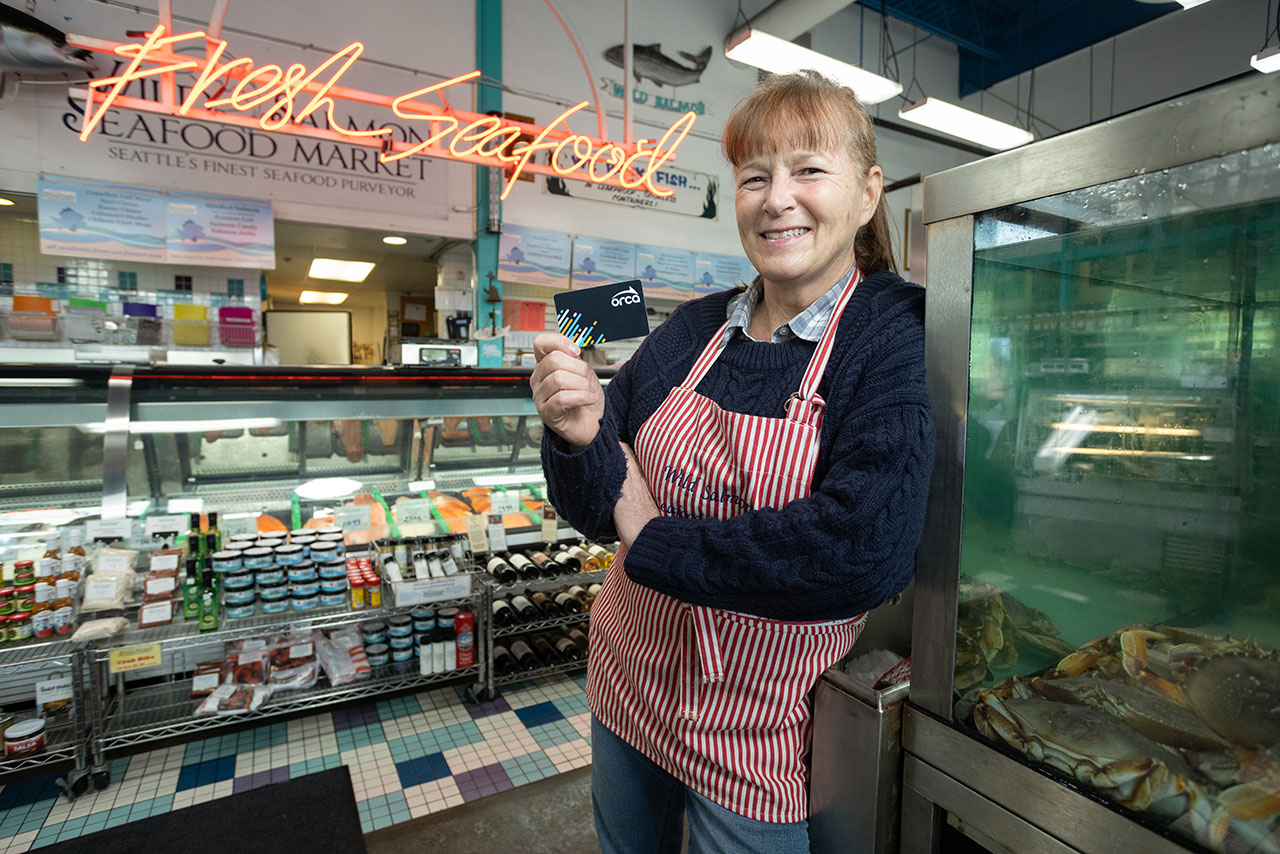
(301, 101)
(649, 62)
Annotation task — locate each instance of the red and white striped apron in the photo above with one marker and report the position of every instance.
(717, 698)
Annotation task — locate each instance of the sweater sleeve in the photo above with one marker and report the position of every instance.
(585, 486)
(848, 546)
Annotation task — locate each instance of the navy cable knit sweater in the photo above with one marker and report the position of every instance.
(847, 547)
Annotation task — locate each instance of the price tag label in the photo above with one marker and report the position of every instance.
(173, 524)
(504, 502)
(497, 533)
(234, 526)
(161, 563)
(476, 534)
(134, 658)
(108, 529)
(414, 511)
(113, 563)
(53, 690)
(550, 522)
(352, 518)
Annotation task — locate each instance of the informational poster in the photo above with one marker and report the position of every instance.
(718, 272)
(88, 219)
(665, 273)
(534, 256)
(597, 261)
(215, 231)
(692, 193)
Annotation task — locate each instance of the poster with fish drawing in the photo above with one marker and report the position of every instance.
(717, 272)
(90, 219)
(533, 256)
(665, 273)
(597, 261)
(220, 231)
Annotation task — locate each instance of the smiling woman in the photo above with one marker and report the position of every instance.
(752, 437)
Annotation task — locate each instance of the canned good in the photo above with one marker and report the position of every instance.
(405, 654)
(273, 592)
(373, 591)
(245, 540)
(303, 602)
(226, 561)
(332, 600)
(357, 592)
(338, 541)
(377, 653)
(19, 627)
(272, 543)
(332, 569)
(445, 617)
(301, 573)
(289, 555)
(424, 619)
(306, 541)
(239, 597)
(24, 738)
(374, 632)
(305, 589)
(330, 588)
(270, 575)
(258, 557)
(399, 626)
(400, 642)
(239, 612)
(465, 638)
(239, 580)
(300, 532)
(329, 531)
(275, 606)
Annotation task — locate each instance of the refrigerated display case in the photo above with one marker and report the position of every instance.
(1097, 617)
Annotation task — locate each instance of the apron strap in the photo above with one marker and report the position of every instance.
(818, 364)
(700, 659)
(708, 358)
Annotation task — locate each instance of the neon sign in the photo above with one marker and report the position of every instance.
(282, 100)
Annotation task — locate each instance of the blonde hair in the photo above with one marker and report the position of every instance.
(808, 112)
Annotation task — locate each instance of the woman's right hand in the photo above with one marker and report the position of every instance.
(566, 391)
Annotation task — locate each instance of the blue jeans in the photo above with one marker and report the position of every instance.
(640, 809)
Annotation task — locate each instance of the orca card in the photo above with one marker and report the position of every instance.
(593, 316)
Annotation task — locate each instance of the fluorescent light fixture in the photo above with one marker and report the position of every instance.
(507, 479)
(323, 297)
(201, 426)
(185, 505)
(780, 56)
(40, 382)
(327, 487)
(1268, 61)
(965, 124)
(422, 485)
(4, 203)
(342, 271)
(395, 240)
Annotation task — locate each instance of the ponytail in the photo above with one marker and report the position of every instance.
(873, 247)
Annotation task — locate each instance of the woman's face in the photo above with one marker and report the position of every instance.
(798, 213)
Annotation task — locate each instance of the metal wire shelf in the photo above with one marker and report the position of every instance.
(566, 667)
(545, 584)
(60, 745)
(160, 711)
(56, 652)
(540, 625)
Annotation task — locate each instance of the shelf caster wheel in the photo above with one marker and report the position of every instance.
(475, 694)
(73, 787)
(101, 779)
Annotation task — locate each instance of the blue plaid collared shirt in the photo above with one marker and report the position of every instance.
(808, 324)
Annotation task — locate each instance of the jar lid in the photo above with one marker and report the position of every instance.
(24, 729)
(226, 554)
(422, 613)
(303, 539)
(329, 531)
(24, 564)
(244, 538)
(270, 543)
(301, 532)
(18, 618)
(258, 551)
(373, 628)
(447, 613)
(6, 592)
(399, 620)
(376, 649)
(288, 550)
(323, 547)
(26, 588)
(336, 537)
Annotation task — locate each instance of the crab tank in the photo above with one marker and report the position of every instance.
(1118, 606)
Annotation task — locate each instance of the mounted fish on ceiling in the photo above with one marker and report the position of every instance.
(648, 60)
(29, 44)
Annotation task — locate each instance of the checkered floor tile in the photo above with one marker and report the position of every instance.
(408, 756)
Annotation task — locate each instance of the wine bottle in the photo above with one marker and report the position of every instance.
(579, 639)
(526, 611)
(570, 563)
(503, 661)
(525, 656)
(568, 649)
(542, 647)
(548, 567)
(528, 569)
(503, 615)
(549, 610)
(568, 603)
(503, 572)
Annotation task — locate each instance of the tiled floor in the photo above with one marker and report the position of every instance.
(408, 756)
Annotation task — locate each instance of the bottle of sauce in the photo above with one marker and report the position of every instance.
(72, 565)
(63, 600)
(191, 592)
(216, 545)
(42, 611)
(208, 619)
(76, 539)
(51, 560)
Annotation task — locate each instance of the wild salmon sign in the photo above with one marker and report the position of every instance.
(300, 101)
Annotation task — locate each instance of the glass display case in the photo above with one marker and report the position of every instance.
(133, 460)
(1097, 639)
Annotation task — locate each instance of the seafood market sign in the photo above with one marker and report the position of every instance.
(88, 219)
(271, 100)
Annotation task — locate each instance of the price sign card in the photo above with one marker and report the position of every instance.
(504, 502)
(550, 522)
(134, 658)
(477, 534)
(497, 533)
(352, 518)
(414, 511)
(172, 524)
(232, 526)
(109, 530)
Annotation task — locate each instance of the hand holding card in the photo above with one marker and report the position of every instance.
(594, 316)
(566, 391)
